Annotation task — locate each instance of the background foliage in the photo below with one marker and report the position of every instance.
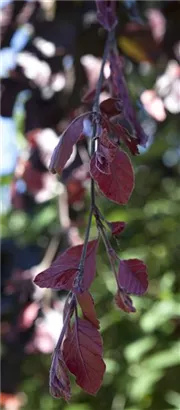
(142, 350)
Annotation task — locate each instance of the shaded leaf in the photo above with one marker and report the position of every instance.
(124, 133)
(82, 350)
(87, 306)
(62, 272)
(59, 384)
(116, 227)
(64, 147)
(120, 90)
(118, 185)
(121, 130)
(111, 106)
(124, 302)
(105, 153)
(107, 147)
(133, 276)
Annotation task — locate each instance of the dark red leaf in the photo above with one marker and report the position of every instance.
(120, 89)
(118, 185)
(116, 227)
(111, 107)
(64, 148)
(106, 13)
(124, 302)
(87, 306)
(133, 276)
(82, 351)
(121, 130)
(124, 133)
(105, 153)
(59, 383)
(107, 147)
(62, 272)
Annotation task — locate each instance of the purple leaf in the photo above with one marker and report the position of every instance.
(105, 153)
(118, 185)
(116, 227)
(121, 91)
(62, 272)
(64, 148)
(59, 384)
(87, 306)
(132, 276)
(111, 107)
(124, 302)
(82, 351)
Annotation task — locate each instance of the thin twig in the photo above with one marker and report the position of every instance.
(109, 249)
(78, 279)
(66, 321)
(101, 75)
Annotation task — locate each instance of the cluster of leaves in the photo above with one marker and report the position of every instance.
(74, 270)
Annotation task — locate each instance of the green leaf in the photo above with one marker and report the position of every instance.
(135, 351)
(164, 359)
(17, 222)
(173, 398)
(44, 218)
(160, 313)
(143, 384)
